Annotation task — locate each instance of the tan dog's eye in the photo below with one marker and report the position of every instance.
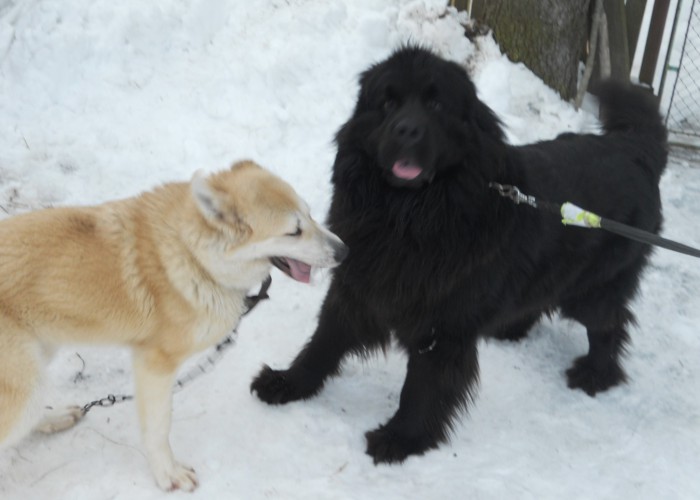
(295, 233)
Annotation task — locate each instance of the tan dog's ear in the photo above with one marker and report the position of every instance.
(214, 207)
(207, 201)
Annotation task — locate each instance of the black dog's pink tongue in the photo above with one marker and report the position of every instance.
(404, 169)
(299, 270)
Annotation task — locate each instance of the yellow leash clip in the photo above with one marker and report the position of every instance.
(573, 215)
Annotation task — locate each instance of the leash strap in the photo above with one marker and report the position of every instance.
(645, 237)
(573, 215)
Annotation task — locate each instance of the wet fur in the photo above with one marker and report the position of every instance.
(441, 261)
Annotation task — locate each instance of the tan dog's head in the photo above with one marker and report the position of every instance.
(257, 220)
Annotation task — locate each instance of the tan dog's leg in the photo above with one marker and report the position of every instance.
(155, 374)
(21, 367)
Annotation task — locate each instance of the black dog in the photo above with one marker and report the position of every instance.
(439, 259)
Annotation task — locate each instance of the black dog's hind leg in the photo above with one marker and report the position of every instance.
(600, 369)
(439, 382)
(343, 327)
(603, 310)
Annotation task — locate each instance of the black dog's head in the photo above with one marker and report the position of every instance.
(418, 117)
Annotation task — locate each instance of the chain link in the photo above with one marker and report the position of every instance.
(201, 368)
(514, 194)
(106, 401)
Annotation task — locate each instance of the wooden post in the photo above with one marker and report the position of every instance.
(634, 10)
(460, 4)
(618, 39)
(653, 46)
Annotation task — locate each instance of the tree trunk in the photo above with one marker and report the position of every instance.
(549, 36)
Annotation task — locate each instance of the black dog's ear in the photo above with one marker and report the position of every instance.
(367, 81)
(487, 121)
(478, 113)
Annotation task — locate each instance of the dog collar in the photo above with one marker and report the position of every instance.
(252, 300)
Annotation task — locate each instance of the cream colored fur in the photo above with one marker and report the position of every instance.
(166, 273)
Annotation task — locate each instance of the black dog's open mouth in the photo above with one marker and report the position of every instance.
(293, 268)
(406, 169)
(407, 172)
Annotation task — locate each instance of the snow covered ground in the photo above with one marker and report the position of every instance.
(103, 99)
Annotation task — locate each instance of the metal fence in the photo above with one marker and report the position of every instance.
(683, 115)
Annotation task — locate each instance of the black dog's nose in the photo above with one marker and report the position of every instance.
(408, 131)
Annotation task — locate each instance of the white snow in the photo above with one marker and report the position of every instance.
(104, 99)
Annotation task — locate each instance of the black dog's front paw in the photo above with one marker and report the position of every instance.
(277, 387)
(388, 445)
(273, 387)
(585, 375)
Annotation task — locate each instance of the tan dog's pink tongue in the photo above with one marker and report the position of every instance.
(299, 270)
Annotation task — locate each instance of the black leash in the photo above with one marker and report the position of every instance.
(204, 367)
(573, 215)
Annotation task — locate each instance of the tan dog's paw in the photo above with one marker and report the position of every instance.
(177, 477)
(60, 419)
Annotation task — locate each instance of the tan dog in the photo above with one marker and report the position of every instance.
(166, 273)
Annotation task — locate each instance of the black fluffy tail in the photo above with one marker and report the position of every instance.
(634, 110)
(625, 107)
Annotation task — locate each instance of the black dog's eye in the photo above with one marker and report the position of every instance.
(434, 104)
(430, 98)
(389, 104)
(390, 99)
